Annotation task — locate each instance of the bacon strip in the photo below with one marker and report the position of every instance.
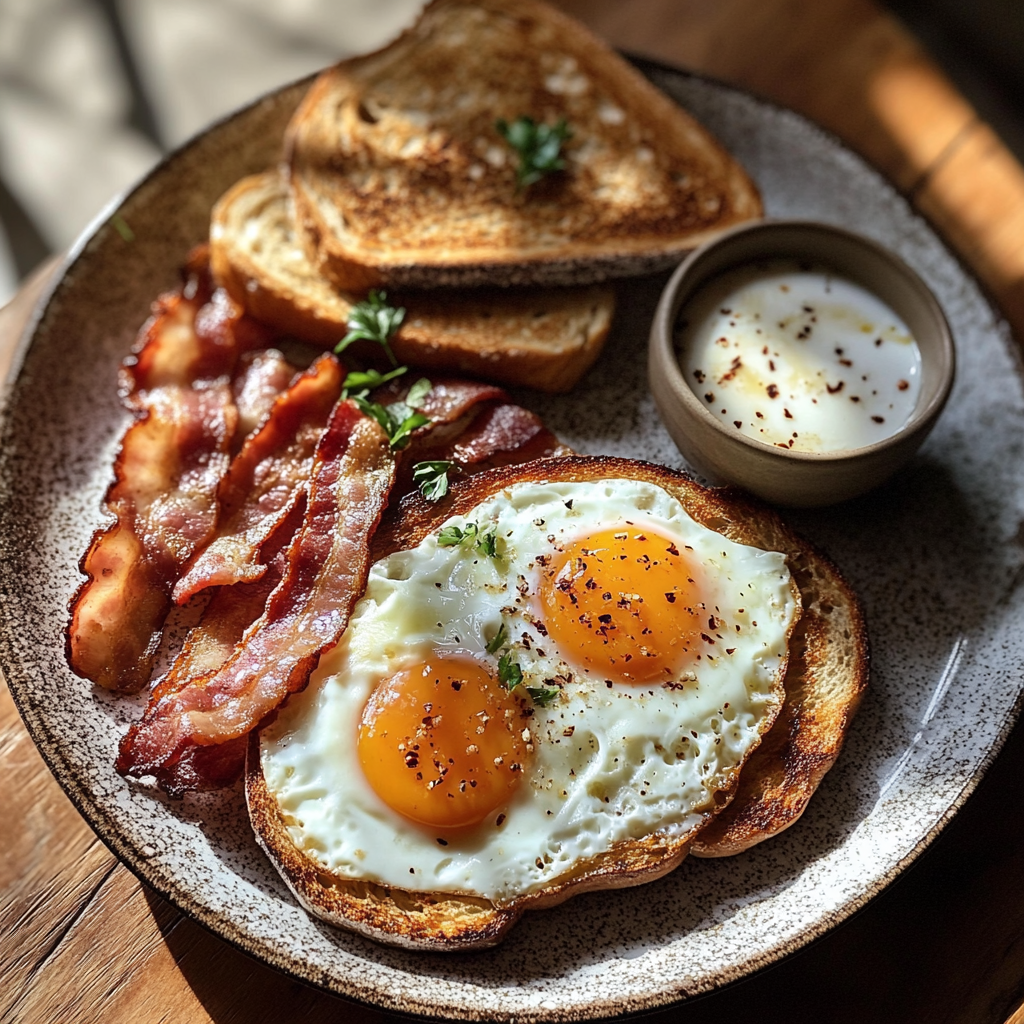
(501, 433)
(167, 350)
(260, 377)
(265, 481)
(206, 648)
(165, 479)
(499, 428)
(451, 398)
(328, 562)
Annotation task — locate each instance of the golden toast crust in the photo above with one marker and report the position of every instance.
(444, 922)
(400, 176)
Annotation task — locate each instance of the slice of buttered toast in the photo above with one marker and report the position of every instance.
(826, 673)
(403, 175)
(544, 338)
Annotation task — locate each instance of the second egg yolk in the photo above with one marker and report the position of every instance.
(442, 743)
(625, 603)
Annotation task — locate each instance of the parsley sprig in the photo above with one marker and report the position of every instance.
(364, 381)
(542, 696)
(510, 675)
(484, 540)
(399, 419)
(373, 320)
(419, 391)
(498, 640)
(432, 478)
(397, 426)
(539, 146)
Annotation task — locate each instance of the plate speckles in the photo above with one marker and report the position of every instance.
(933, 555)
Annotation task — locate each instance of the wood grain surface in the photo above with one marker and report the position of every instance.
(82, 940)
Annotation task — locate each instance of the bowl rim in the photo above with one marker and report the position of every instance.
(663, 356)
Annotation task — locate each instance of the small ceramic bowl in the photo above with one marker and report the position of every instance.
(781, 476)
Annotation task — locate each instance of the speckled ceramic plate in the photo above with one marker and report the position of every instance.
(936, 555)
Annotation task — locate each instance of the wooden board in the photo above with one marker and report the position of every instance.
(82, 940)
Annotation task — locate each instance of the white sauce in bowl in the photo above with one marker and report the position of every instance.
(798, 357)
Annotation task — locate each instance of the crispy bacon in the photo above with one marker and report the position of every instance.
(193, 335)
(499, 434)
(167, 350)
(451, 398)
(265, 481)
(498, 429)
(260, 377)
(178, 382)
(206, 648)
(307, 613)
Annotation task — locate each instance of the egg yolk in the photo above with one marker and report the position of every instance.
(443, 743)
(624, 603)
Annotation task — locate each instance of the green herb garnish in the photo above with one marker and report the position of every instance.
(487, 544)
(414, 397)
(398, 419)
(542, 696)
(364, 381)
(418, 392)
(393, 419)
(484, 540)
(539, 147)
(498, 640)
(510, 675)
(373, 320)
(432, 478)
(451, 536)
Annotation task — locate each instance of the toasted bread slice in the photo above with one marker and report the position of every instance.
(434, 922)
(441, 921)
(544, 338)
(401, 176)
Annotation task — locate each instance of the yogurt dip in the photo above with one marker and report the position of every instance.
(798, 357)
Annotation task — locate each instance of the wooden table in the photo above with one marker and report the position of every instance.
(81, 939)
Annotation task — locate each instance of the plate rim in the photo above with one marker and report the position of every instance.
(377, 996)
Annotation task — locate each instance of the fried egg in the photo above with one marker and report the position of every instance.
(566, 667)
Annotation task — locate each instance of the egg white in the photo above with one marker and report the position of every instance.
(610, 762)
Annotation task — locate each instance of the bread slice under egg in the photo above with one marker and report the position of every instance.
(824, 681)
